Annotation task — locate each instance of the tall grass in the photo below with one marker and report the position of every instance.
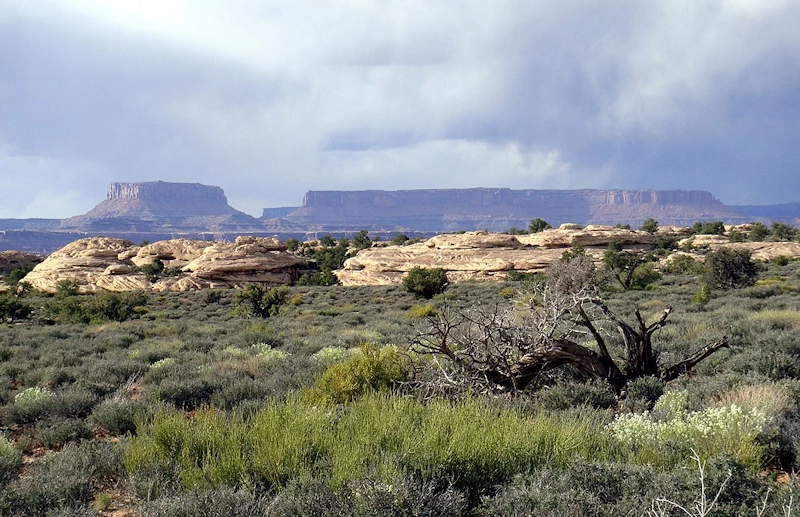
(779, 318)
(466, 445)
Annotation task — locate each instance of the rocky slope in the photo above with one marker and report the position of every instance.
(102, 263)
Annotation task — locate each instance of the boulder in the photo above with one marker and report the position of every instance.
(473, 240)
(245, 261)
(84, 261)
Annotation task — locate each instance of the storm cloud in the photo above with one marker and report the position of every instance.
(270, 99)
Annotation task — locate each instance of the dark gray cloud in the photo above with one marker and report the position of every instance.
(274, 99)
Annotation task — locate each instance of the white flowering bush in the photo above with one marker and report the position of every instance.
(163, 363)
(235, 352)
(30, 396)
(31, 404)
(672, 403)
(265, 351)
(672, 429)
(333, 354)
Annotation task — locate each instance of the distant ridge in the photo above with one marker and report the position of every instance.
(160, 210)
(500, 209)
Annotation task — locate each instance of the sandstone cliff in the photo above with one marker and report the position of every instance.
(499, 209)
(158, 205)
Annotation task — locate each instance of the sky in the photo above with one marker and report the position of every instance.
(270, 99)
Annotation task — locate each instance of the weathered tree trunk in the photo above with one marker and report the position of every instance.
(495, 353)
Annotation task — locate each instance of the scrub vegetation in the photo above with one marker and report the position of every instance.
(332, 400)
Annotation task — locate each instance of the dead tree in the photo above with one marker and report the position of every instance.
(560, 322)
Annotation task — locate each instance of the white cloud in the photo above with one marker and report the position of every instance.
(685, 57)
(446, 164)
(269, 99)
(36, 186)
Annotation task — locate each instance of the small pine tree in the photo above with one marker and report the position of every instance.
(727, 268)
(649, 225)
(537, 225)
(425, 283)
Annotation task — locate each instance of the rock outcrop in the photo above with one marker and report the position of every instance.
(486, 256)
(100, 263)
(11, 260)
(481, 255)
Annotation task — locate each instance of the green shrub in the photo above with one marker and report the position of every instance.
(783, 232)
(118, 416)
(261, 301)
(702, 296)
(57, 433)
(399, 239)
(361, 240)
(185, 394)
(332, 354)
(75, 402)
(466, 445)
(682, 264)
(781, 260)
(16, 275)
(758, 232)
(369, 496)
(70, 307)
(152, 270)
(234, 393)
(522, 276)
(425, 283)
(12, 308)
(224, 502)
(642, 393)
(708, 228)
(566, 395)
(322, 278)
(420, 311)
(728, 268)
(372, 369)
(62, 483)
(601, 489)
(10, 458)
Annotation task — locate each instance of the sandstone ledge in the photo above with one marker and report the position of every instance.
(105, 264)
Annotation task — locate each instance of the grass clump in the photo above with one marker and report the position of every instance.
(467, 444)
